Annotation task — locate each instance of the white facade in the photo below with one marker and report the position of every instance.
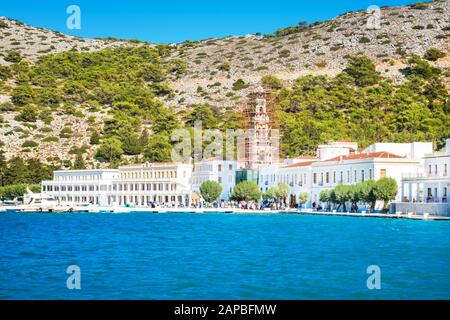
(413, 150)
(220, 171)
(142, 184)
(314, 175)
(137, 185)
(81, 186)
(432, 183)
(358, 168)
(335, 149)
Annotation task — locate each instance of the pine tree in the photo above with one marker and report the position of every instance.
(79, 163)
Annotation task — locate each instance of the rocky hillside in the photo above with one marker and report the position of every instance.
(220, 72)
(322, 48)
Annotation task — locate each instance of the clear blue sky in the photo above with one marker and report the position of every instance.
(166, 21)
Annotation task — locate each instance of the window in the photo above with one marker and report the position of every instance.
(220, 179)
(314, 178)
(334, 177)
(362, 175)
(327, 177)
(429, 169)
(382, 173)
(370, 174)
(445, 169)
(230, 167)
(348, 176)
(355, 177)
(220, 168)
(435, 169)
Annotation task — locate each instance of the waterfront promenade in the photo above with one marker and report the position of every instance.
(96, 209)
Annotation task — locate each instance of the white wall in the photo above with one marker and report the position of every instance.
(208, 170)
(414, 150)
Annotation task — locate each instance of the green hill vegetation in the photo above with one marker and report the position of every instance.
(125, 84)
(360, 105)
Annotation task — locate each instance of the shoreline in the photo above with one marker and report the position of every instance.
(92, 209)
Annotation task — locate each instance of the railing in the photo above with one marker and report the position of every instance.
(433, 174)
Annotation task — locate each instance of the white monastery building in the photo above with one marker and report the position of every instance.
(220, 171)
(432, 184)
(422, 176)
(137, 185)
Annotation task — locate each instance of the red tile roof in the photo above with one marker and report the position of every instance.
(344, 140)
(385, 155)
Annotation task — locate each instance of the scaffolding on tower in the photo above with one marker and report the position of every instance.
(260, 122)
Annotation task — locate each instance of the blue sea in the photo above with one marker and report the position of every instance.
(221, 256)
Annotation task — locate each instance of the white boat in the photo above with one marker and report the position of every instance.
(37, 202)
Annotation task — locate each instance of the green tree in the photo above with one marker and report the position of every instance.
(421, 68)
(12, 191)
(239, 85)
(165, 121)
(273, 82)
(2, 166)
(203, 113)
(342, 196)
(95, 138)
(152, 72)
(368, 193)
(5, 72)
(158, 149)
(281, 192)
(36, 171)
(246, 191)
(27, 114)
(16, 171)
(355, 195)
(13, 56)
(363, 71)
(303, 197)
(433, 54)
(325, 196)
(210, 190)
(386, 190)
(22, 95)
(268, 194)
(79, 163)
(109, 150)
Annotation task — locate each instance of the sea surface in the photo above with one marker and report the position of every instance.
(221, 256)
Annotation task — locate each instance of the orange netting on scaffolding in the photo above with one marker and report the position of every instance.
(259, 113)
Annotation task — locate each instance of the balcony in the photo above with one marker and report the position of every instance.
(426, 175)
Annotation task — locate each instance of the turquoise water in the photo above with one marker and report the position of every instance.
(221, 256)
